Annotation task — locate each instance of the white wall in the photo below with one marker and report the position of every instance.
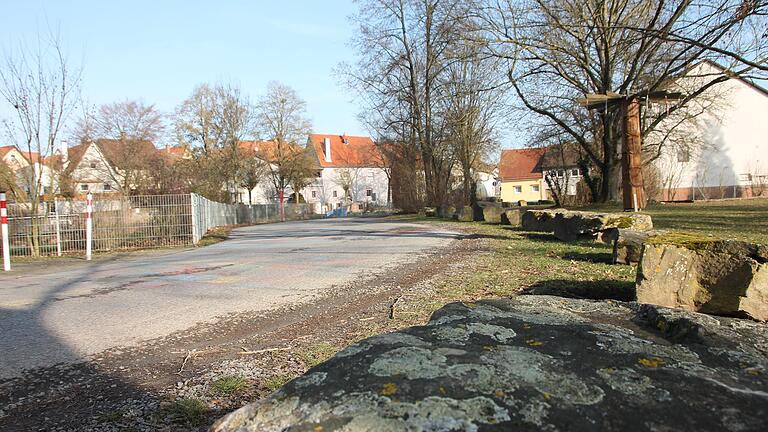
(362, 180)
(729, 141)
(96, 176)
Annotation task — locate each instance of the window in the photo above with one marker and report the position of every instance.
(84, 187)
(518, 189)
(575, 171)
(335, 194)
(107, 187)
(314, 194)
(368, 192)
(93, 164)
(534, 188)
(561, 173)
(683, 154)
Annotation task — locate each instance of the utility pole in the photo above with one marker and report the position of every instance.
(633, 188)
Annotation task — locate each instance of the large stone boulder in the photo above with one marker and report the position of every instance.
(534, 363)
(465, 214)
(540, 220)
(703, 274)
(578, 225)
(492, 214)
(627, 243)
(430, 211)
(513, 216)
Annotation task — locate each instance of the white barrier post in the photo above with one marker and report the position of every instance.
(58, 226)
(6, 242)
(88, 226)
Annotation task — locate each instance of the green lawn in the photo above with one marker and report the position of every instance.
(736, 219)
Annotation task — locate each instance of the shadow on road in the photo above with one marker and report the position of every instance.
(60, 395)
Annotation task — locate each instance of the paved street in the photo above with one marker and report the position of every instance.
(68, 312)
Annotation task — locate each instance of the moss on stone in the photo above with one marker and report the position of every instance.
(620, 222)
(694, 242)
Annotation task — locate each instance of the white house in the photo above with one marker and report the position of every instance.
(722, 151)
(352, 171)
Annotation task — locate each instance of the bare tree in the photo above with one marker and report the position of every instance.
(405, 48)
(213, 121)
(251, 171)
(41, 87)
(281, 117)
(562, 49)
(129, 120)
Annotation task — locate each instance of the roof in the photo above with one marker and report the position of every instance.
(521, 164)
(346, 151)
(268, 149)
(731, 74)
(115, 152)
(4, 150)
(561, 156)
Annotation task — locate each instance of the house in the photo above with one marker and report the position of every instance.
(13, 158)
(267, 151)
(521, 175)
(352, 171)
(560, 169)
(721, 152)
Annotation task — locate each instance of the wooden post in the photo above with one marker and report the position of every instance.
(632, 156)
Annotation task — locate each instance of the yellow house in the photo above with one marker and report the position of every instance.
(521, 175)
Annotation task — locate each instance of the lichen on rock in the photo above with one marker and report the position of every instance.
(595, 366)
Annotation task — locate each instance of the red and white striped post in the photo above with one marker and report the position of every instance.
(4, 223)
(88, 226)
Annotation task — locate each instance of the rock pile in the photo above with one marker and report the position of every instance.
(703, 274)
(534, 363)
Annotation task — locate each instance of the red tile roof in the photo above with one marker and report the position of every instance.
(268, 150)
(521, 164)
(4, 150)
(357, 151)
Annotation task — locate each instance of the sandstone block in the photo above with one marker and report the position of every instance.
(702, 274)
(492, 214)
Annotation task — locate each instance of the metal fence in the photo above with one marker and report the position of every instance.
(133, 222)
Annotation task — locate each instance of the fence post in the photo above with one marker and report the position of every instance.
(88, 226)
(4, 223)
(195, 222)
(58, 226)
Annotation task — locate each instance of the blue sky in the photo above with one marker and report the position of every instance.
(157, 51)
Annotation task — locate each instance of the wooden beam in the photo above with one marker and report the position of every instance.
(632, 156)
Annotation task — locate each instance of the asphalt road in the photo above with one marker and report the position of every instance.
(66, 313)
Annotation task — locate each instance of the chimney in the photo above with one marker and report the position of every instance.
(327, 148)
(64, 151)
(344, 138)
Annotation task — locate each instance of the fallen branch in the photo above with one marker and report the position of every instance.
(247, 352)
(184, 363)
(367, 319)
(392, 308)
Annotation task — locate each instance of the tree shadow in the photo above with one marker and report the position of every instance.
(590, 257)
(593, 290)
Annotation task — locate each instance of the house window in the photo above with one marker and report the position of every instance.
(518, 189)
(84, 187)
(335, 194)
(683, 154)
(575, 171)
(107, 187)
(534, 188)
(368, 192)
(561, 173)
(314, 194)
(93, 164)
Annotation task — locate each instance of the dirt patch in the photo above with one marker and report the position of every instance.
(186, 380)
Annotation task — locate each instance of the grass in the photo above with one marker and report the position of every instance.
(215, 235)
(514, 261)
(317, 354)
(276, 381)
(189, 410)
(735, 219)
(229, 384)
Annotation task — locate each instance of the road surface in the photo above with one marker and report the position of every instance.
(64, 314)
